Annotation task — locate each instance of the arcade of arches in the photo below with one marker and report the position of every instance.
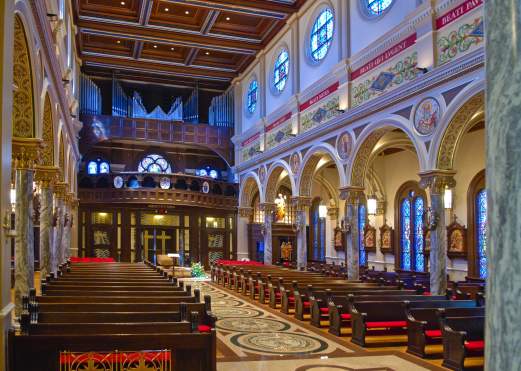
(282, 185)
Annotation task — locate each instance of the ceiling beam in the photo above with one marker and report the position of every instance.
(137, 49)
(145, 11)
(192, 54)
(209, 21)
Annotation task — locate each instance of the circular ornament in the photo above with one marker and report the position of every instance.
(427, 116)
(206, 187)
(344, 145)
(262, 174)
(249, 325)
(164, 183)
(294, 162)
(279, 343)
(118, 182)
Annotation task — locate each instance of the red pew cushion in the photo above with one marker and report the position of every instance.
(433, 333)
(324, 310)
(386, 324)
(307, 304)
(278, 294)
(203, 328)
(291, 299)
(475, 345)
(345, 316)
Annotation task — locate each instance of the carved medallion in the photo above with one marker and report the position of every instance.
(294, 162)
(262, 174)
(344, 145)
(427, 116)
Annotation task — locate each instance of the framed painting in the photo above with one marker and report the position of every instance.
(386, 239)
(456, 240)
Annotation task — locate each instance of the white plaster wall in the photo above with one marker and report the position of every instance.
(310, 72)
(364, 30)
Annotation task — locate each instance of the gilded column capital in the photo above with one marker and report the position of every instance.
(437, 180)
(245, 212)
(268, 207)
(332, 212)
(26, 152)
(46, 175)
(352, 194)
(60, 190)
(300, 203)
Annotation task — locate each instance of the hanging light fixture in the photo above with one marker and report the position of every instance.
(371, 205)
(447, 198)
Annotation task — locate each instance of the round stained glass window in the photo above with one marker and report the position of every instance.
(376, 7)
(321, 35)
(253, 89)
(154, 163)
(280, 71)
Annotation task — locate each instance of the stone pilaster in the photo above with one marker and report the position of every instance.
(353, 196)
(503, 138)
(301, 206)
(25, 156)
(268, 209)
(435, 182)
(46, 176)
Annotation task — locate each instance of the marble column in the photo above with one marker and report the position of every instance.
(503, 112)
(352, 196)
(59, 192)
(435, 181)
(301, 206)
(66, 242)
(243, 219)
(268, 209)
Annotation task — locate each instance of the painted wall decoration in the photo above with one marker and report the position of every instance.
(262, 174)
(250, 147)
(456, 239)
(344, 145)
(427, 116)
(318, 109)
(460, 30)
(279, 131)
(294, 162)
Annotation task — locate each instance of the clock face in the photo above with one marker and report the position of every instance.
(118, 182)
(164, 183)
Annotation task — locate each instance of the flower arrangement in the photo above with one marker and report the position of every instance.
(198, 270)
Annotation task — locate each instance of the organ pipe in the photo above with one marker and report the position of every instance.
(121, 104)
(191, 108)
(221, 112)
(90, 96)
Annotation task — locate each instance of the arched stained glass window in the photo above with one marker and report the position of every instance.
(280, 72)
(418, 235)
(406, 234)
(104, 167)
(321, 35)
(481, 231)
(92, 168)
(361, 227)
(376, 7)
(318, 233)
(98, 166)
(253, 89)
(154, 163)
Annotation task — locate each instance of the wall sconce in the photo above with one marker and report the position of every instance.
(13, 199)
(339, 110)
(422, 70)
(293, 135)
(447, 198)
(371, 205)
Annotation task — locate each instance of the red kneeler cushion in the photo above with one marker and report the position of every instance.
(291, 299)
(345, 316)
(475, 345)
(204, 328)
(389, 324)
(278, 294)
(307, 304)
(433, 333)
(324, 310)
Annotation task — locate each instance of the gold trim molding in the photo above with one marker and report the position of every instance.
(26, 152)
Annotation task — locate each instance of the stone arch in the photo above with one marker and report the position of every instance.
(466, 115)
(311, 161)
(48, 133)
(23, 97)
(274, 172)
(249, 186)
(367, 142)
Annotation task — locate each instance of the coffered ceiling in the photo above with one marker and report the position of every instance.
(176, 41)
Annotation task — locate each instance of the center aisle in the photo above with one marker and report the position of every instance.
(254, 337)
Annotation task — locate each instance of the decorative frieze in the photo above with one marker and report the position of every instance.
(351, 194)
(46, 175)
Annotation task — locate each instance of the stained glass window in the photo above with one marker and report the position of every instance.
(361, 226)
(321, 35)
(104, 167)
(280, 72)
(406, 234)
(154, 163)
(92, 168)
(213, 174)
(418, 235)
(377, 7)
(252, 96)
(481, 222)
(319, 232)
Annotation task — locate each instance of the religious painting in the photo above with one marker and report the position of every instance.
(344, 145)
(262, 174)
(427, 116)
(369, 237)
(386, 239)
(456, 240)
(280, 208)
(427, 240)
(339, 239)
(294, 162)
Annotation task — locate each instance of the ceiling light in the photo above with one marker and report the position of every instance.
(187, 12)
(119, 41)
(122, 3)
(227, 18)
(172, 49)
(166, 9)
(207, 53)
(155, 46)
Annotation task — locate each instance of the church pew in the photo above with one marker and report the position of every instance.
(189, 351)
(108, 328)
(423, 321)
(462, 337)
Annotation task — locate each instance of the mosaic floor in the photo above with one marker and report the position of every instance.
(254, 337)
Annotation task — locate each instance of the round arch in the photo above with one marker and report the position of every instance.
(310, 163)
(272, 180)
(48, 132)
(249, 186)
(460, 117)
(369, 139)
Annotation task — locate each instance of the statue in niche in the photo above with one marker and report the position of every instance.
(285, 251)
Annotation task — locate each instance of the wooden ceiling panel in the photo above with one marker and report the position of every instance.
(209, 41)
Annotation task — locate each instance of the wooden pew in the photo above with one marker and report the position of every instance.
(462, 336)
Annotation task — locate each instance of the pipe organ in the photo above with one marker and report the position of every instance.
(174, 114)
(90, 97)
(221, 111)
(191, 108)
(121, 104)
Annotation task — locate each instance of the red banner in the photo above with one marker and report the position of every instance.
(324, 93)
(251, 139)
(385, 56)
(457, 12)
(279, 121)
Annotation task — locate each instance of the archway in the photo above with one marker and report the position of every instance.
(250, 242)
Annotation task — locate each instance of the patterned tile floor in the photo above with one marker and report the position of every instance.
(255, 337)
